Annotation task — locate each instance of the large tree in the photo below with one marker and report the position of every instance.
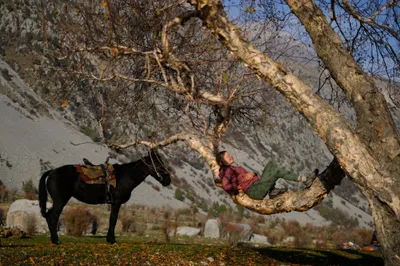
(190, 76)
(369, 152)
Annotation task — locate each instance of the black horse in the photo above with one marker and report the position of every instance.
(64, 182)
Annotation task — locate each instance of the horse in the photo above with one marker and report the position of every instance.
(65, 182)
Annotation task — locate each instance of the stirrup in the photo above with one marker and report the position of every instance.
(108, 198)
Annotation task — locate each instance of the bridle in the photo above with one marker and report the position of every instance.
(155, 168)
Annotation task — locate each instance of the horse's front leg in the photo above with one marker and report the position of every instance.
(113, 221)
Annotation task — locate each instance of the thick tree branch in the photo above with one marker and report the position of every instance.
(302, 200)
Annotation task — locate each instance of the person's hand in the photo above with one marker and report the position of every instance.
(249, 176)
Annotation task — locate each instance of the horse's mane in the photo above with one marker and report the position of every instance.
(141, 160)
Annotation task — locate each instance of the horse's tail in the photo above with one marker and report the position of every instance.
(43, 193)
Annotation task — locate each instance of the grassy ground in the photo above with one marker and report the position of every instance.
(145, 251)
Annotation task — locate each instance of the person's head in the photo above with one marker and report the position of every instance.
(224, 158)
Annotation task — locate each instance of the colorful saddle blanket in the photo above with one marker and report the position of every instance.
(93, 174)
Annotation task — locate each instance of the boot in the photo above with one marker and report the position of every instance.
(310, 179)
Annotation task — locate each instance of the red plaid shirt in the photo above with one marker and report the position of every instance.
(234, 176)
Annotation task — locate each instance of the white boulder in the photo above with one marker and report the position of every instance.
(22, 213)
(212, 228)
(259, 239)
(187, 231)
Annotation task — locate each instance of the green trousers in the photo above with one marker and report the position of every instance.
(272, 172)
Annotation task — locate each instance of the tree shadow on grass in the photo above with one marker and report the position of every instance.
(96, 236)
(15, 246)
(322, 257)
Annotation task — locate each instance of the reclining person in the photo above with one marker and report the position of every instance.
(235, 178)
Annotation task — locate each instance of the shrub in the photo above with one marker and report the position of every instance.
(292, 228)
(3, 192)
(13, 194)
(337, 216)
(6, 74)
(190, 196)
(30, 190)
(274, 237)
(179, 195)
(78, 219)
(31, 196)
(91, 133)
(31, 226)
(140, 228)
(2, 215)
(169, 225)
(216, 209)
(28, 186)
(127, 223)
(234, 233)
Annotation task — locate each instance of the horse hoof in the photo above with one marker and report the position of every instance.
(56, 242)
(112, 242)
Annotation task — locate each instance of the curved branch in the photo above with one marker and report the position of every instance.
(369, 20)
(178, 21)
(194, 142)
(302, 200)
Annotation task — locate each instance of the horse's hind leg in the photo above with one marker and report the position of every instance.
(113, 221)
(52, 217)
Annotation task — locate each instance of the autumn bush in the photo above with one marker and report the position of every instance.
(140, 229)
(233, 233)
(2, 215)
(169, 227)
(3, 192)
(78, 220)
(127, 223)
(31, 196)
(31, 226)
(337, 216)
(311, 236)
(30, 190)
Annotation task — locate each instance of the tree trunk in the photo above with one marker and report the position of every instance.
(387, 226)
(375, 126)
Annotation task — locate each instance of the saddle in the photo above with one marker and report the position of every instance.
(94, 174)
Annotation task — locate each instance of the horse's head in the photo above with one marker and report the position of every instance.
(157, 168)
